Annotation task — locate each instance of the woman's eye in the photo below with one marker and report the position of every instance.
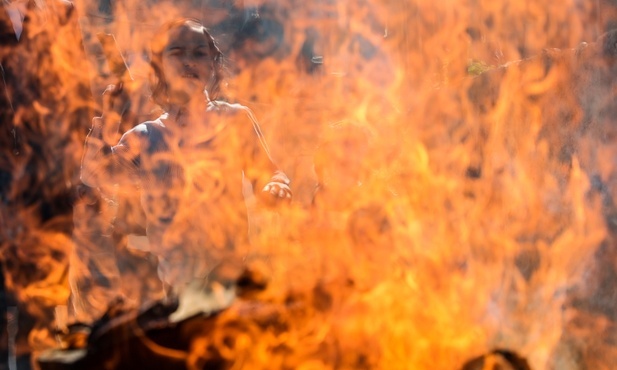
(175, 53)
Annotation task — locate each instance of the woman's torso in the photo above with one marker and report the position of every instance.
(191, 193)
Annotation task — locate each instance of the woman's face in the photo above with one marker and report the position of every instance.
(187, 62)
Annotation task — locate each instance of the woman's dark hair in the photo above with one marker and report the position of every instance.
(157, 46)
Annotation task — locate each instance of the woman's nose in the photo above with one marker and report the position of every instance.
(187, 59)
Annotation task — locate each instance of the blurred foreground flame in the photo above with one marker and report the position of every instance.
(438, 215)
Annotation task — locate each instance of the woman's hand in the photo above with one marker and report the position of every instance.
(278, 190)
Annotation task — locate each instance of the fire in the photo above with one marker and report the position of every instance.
(452, 171)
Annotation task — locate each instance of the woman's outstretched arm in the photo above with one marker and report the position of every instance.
(271, 184)
(103, 165)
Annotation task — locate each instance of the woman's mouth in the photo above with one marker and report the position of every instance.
(190, 75)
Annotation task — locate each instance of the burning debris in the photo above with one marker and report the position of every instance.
(215, 337)
(498, 359)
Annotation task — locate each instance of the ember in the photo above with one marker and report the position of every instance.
(450, 163)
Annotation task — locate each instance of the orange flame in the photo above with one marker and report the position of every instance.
(453, 183)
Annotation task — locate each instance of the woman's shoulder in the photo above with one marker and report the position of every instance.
(147, 127)
(145, 131)
(236, 115)
(223, 107)
(149, 136)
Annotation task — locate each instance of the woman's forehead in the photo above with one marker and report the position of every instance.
(186, 35)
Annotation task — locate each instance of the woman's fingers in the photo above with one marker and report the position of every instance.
(277, 189)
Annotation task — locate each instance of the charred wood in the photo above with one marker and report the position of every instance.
(498, 359)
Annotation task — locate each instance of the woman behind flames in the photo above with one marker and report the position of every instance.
(194, 166)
